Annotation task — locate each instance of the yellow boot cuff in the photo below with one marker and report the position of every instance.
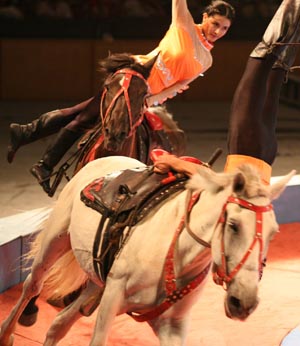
(234, 161)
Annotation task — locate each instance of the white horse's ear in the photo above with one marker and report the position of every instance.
(208, 180)
(277, 188)
(239, 182)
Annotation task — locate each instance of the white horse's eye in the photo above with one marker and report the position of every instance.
(233, 226)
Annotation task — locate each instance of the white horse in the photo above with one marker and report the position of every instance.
(159, 272)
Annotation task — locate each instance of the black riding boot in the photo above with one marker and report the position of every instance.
(47, 124)
(42, 170)
(282, 29)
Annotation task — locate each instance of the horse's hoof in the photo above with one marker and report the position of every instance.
(28, 320)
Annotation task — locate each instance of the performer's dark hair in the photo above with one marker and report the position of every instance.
(221, 8)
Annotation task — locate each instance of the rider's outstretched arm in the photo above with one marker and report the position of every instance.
(181, 15)
(169, 92)
(167, 162)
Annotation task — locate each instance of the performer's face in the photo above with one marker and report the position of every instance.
(215, 27)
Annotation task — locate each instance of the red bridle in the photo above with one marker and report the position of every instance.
(173, 294)
(220, 276)
(123, 90)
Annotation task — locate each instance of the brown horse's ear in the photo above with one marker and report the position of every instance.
(149, 64)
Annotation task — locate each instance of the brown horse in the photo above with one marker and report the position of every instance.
(126, 126)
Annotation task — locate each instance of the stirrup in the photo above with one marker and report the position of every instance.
(59, 174)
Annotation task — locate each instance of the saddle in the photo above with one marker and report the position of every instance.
(123, 199)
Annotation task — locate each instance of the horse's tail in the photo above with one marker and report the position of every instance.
(64, 277)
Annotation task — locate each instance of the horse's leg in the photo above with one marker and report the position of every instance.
(170, 331)
(112, 299)
(69, 315)
(54, 246)
(29, 314)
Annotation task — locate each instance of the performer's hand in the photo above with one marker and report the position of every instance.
(183, 88)
(165, 163)
(154, 100)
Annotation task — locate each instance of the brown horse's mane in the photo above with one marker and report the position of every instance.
(117, 61)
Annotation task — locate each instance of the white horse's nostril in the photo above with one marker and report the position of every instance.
(235, 302)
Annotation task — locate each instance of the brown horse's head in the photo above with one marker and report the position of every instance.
(123, 98)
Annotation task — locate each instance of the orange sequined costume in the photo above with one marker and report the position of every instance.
(184, 54)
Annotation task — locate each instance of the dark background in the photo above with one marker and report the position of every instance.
(129, 19)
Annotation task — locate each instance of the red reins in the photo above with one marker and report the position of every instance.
(172, 292)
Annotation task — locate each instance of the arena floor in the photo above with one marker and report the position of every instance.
(206, 128)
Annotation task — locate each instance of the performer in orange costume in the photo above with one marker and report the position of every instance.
(184, 53)
(252, 137)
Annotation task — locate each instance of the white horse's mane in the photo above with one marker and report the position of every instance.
(213, 181)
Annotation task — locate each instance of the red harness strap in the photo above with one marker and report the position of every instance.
(172, 293)
(91, 156)
(221, 276)
(154, 121)
(123, 90)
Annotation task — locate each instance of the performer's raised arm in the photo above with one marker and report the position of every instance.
(181, 14)
(184, 52)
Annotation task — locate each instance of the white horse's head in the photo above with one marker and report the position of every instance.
(242, 233)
